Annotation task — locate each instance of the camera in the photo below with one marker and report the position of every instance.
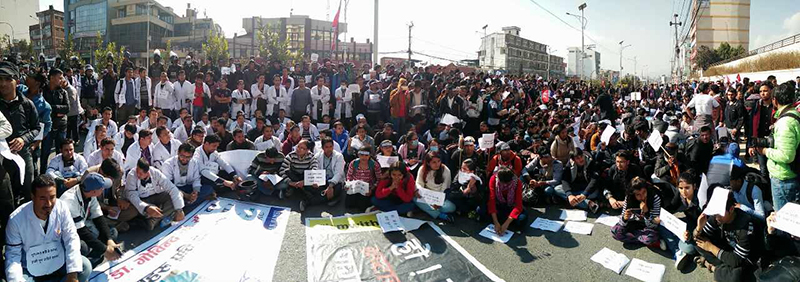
(764, 142)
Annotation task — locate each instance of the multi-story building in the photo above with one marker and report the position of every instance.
(47, 36)
(129, 26)
(16, 16)
(590, 65)
(714, 22)
(304, 34)
(508, 51)
(84, 20)
(190, 32)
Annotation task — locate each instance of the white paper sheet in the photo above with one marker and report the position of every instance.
(385, 161)
(573, 215)
(486, 141)
(607, 133)
(578, 227)
(672, 223)
(323, 126)
(431, 197)
(611, 260)
(272, 178)
(6, 153)
(716, 206)
(543, 107)
(702, 191)
(609, 220)
(357, 187)
(788, 219)
(547, 225)
(655, 140)
(314, 176)
(645, 271)
(390, 221)
(488, 232)
(449, 119)
(41, 134)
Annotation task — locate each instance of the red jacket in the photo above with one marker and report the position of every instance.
(515, 164)
(406, 193)
(493, 199)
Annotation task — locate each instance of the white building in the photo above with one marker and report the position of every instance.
(590, 64)
(508, 51)
(19, 14)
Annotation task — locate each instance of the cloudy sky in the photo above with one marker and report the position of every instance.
(451, 29)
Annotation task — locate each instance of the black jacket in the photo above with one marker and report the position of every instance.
(88, 87)
(735, 115)
(457, 109)
(24, 118)
(60, 104)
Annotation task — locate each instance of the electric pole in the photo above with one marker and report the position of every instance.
(676, 65)
(375, 35)
(409, 44)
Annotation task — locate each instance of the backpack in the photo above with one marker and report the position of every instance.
(795, 164)
(756, 179)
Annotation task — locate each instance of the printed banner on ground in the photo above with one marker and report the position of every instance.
(224, 240)
(357, 250)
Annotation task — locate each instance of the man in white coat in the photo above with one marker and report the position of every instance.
(215, 171)
(165, 148)
(183, 90)
(184, 130)
(67, 167)
(107, 150)
(277, 97)
(320, 98)
(111, 125)
(92, 142)
(41, 239)
(127, 96)
(164, 96)
(267, 140)
(152, 195)
(344, 105)
(333, 163)
(141, 149)
(184, 171)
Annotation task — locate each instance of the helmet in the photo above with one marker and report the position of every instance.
(173, 56)
(157, 53)
(41, 56)
(127, 55)
(73, 58)
(109, 55)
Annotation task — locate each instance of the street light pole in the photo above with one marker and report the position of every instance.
(12, 32)
(583, 46)
(548, 61)
(147, 52)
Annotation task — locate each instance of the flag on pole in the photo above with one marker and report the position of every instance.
(335, 27)
(545, 96)
(738, 78)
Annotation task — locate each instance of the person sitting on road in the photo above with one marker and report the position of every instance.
(640, 216)
(690, 206)
(577, 183)
(152, 195)
(184, 172)
(719, 170)
(748, 195)
(504, 206)
(215, 171)
(618, 179)
(468, 191)
(333, 163)
(293, 167)
(506, 158)
(142, 149)
(543, 172)
(365, 169)
(67, 167)
(397, 191)
(435, 176)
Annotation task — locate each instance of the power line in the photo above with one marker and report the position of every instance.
(433, 43)
(576, 29)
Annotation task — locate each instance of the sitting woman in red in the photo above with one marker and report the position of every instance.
(396, 192)
(505, 202)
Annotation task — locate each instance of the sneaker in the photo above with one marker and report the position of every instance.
(325, 214)
(370, 209)
(593, 207)
(681, 259)
(410, 214)
(302, 206)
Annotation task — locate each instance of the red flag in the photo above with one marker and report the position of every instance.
(545, 96)
(738, 78)
(335, 27)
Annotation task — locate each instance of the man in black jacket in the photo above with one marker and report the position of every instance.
(24, 119)
(88, 89)
(57, 98)
(700, 150)
(735, 114)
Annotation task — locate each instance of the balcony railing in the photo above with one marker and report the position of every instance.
(766, 48)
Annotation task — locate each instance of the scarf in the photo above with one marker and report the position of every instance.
(505, 192)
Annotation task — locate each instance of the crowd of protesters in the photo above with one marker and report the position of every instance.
(150, 140)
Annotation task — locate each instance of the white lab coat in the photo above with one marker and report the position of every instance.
(181, 135)
(149, 94)
(172, 172)
(134, 154)
(96, 157)
(257, 93)
(119, 140)
(160, 153)
(58, 170)
(165, 96)
(336, 164)
(277, 97)
(312, 129)
(319, 96)
(239, 97)
(244, 127)
(24, 231)
(263, 145)
(183, 90)
(122, 88)
(73, 199)
(344, 107)
(111, 128)
(159, 183)
(210, 164)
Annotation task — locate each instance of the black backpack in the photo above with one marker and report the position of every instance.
(756, 179)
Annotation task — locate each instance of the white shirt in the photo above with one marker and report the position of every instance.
(164, 96)
(183, 90)
(240, 97)
(703, 104)
(277, 97)
(336, 164)
(134, 154)
(73, 199)
(57, 169)
(210, 164)
(135, 192)
(111, 128)
(262, 144)
(172, 172)
(160, 153)
(319, 96)
(96, 157)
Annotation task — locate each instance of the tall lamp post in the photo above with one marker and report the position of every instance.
(620, 55)
(549, 52)
(12, 32)
(147, 51)
(583, 27)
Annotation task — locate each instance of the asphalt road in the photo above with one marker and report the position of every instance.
(538, 255)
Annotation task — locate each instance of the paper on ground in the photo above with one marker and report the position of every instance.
(390, 221)
(578, 227)
(573, 215)
(611, 260)
(488, 232)
(272, 178)
(547, 225)
(788, 219)
(716, 206)
(645, 271)
(609, 220)
(672, 223)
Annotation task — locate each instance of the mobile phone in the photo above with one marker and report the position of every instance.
(118, 251)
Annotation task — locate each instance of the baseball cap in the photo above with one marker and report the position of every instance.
(9, 69)
(95, 181)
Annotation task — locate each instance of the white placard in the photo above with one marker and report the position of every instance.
(611, 260)
(547, 225)
(573, 215)
(578, 227)
(272, 178)
(716, 206)
(702, 191)
(627, 98)
(489, 232)
(567, 100)
(431, 197)
(609, 220)
(788, 219)
(577, 141)
(543, 107)
(45, 258)
(323, 126)
(6, 153)
(355, 143)
(505, 95)
(41, 133)
(636, 96)
(449, 119)
(390, 221)
(314, 57)
(225, 70)
(645, 271)
(374, 97)
(385, 161)
(655, 140)
(672, 223)
(607, 133)
(314, 176)
(357, 187)
(486, 142)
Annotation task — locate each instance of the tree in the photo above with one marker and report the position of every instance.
(706, 57)
(102, 50)
(271, 47)
(167, 50)
(24, 48)
(216, 48)
(68, 48)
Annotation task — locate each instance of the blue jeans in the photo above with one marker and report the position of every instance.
(399, 123)
(204, 192)
(197, 112)
(559, 191)
(52, 141)
(61, 274)
(446, 208)
(387, 204)
(784, 191)
(269, 189)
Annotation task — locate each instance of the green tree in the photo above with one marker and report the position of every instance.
(165, 54)
(706, 57)
(102, 50)
(24, 48)
(216, 47)
(68, 48)
(271, 47)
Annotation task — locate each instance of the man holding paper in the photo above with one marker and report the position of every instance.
(293, 168)
(333, 163)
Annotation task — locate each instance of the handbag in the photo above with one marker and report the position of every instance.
(785, 269)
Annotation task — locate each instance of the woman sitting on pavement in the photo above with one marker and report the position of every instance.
(640, 212)
(467, 190)
(505, 202)
(397, 191)
(435, 176)
(387, 150)
(362, 169)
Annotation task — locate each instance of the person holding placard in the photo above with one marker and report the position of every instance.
(412, 151)
(397, 191)
(639, 219)
(387, 152)
(730, 244)
(359, 140)
(687, 188)
(363, 169)
(779, 244)
(467, 152)
(435, 176)
(293, 167)
(504, 206)
(333, 163)
(467, 190)
(44, 225)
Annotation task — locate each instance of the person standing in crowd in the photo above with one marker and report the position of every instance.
(301, 100)
(21, 113)
(320, 98)
(127, 96)
(398, 104)
(107, 87)
(36, 83)
(759, 122)
(703, 104)
(58, 99)
(75, 109)
(89, 89)
(734, 115)
(165, 96)
(145, 90)
(201, 93)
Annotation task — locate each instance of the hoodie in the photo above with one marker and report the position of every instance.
(719, 170)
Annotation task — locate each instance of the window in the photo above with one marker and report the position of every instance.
(502, 50)
(141, 9)
(90, 19)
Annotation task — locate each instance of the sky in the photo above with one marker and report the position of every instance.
(451, 29)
